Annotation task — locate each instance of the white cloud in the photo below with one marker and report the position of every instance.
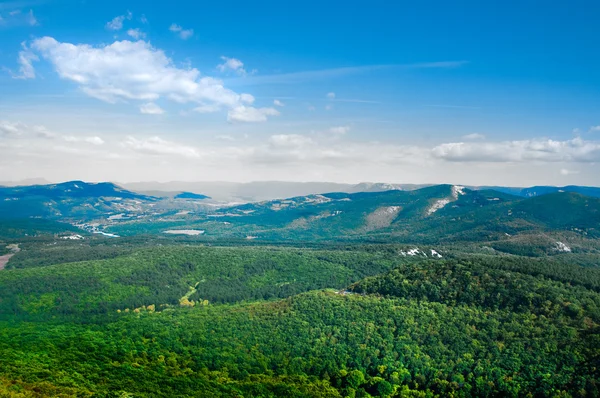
(43, 132)
(287, 156)
(311, 108)
(328, 107)
(575, 150)
(249, 114)
(339, 130)
(136, 33)
(225, 137)
(26, 132)
(117, 22)
(474, 136)
(247, 99)
(566, 172)
(14, 129)
(330, 96)
(143, 19)
(594, 128)
(7, 128)
(278, 103)
(207, 108)
(126, 70)
(327, 75)
(183, 33)
(89, 140)
(290, 140)
(151, 108)
(31, 19)
(158, 146)
(232, 65)
(17, 17)
(25, 60)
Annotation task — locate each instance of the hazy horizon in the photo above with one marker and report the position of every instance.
(42, 181)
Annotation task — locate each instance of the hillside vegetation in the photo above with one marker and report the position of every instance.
(192, 321)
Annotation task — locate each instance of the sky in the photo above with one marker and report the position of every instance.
(463, 92)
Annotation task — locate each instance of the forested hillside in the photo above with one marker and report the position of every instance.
(234, 321)
(440, 291)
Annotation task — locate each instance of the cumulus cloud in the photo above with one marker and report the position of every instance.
(233, 65)
(183, 33)
(474, 136)
(339, 130)
(126, 70)
(594, 128)
(247, 99)
(244, 113)
(117, 22)
(278, 103)
(151, 108)
(158, 146)
(330, 96)
(136, 33)
(574, 150)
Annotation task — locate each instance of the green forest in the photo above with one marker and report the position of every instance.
(184, 319)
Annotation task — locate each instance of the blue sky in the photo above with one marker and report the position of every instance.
(463, 92)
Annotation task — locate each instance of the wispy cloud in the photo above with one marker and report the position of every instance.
(452, 106)
(117, 22)
(11, 5)
(324, 74)
(31, 19)
(136, 33)
(151, 108)
(18, 18)
(358, 101)
(474, 136)
(183, 33)
(567, 172)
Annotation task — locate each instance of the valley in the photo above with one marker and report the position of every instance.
(432, 292)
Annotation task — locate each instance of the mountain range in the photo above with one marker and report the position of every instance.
(533, 221)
